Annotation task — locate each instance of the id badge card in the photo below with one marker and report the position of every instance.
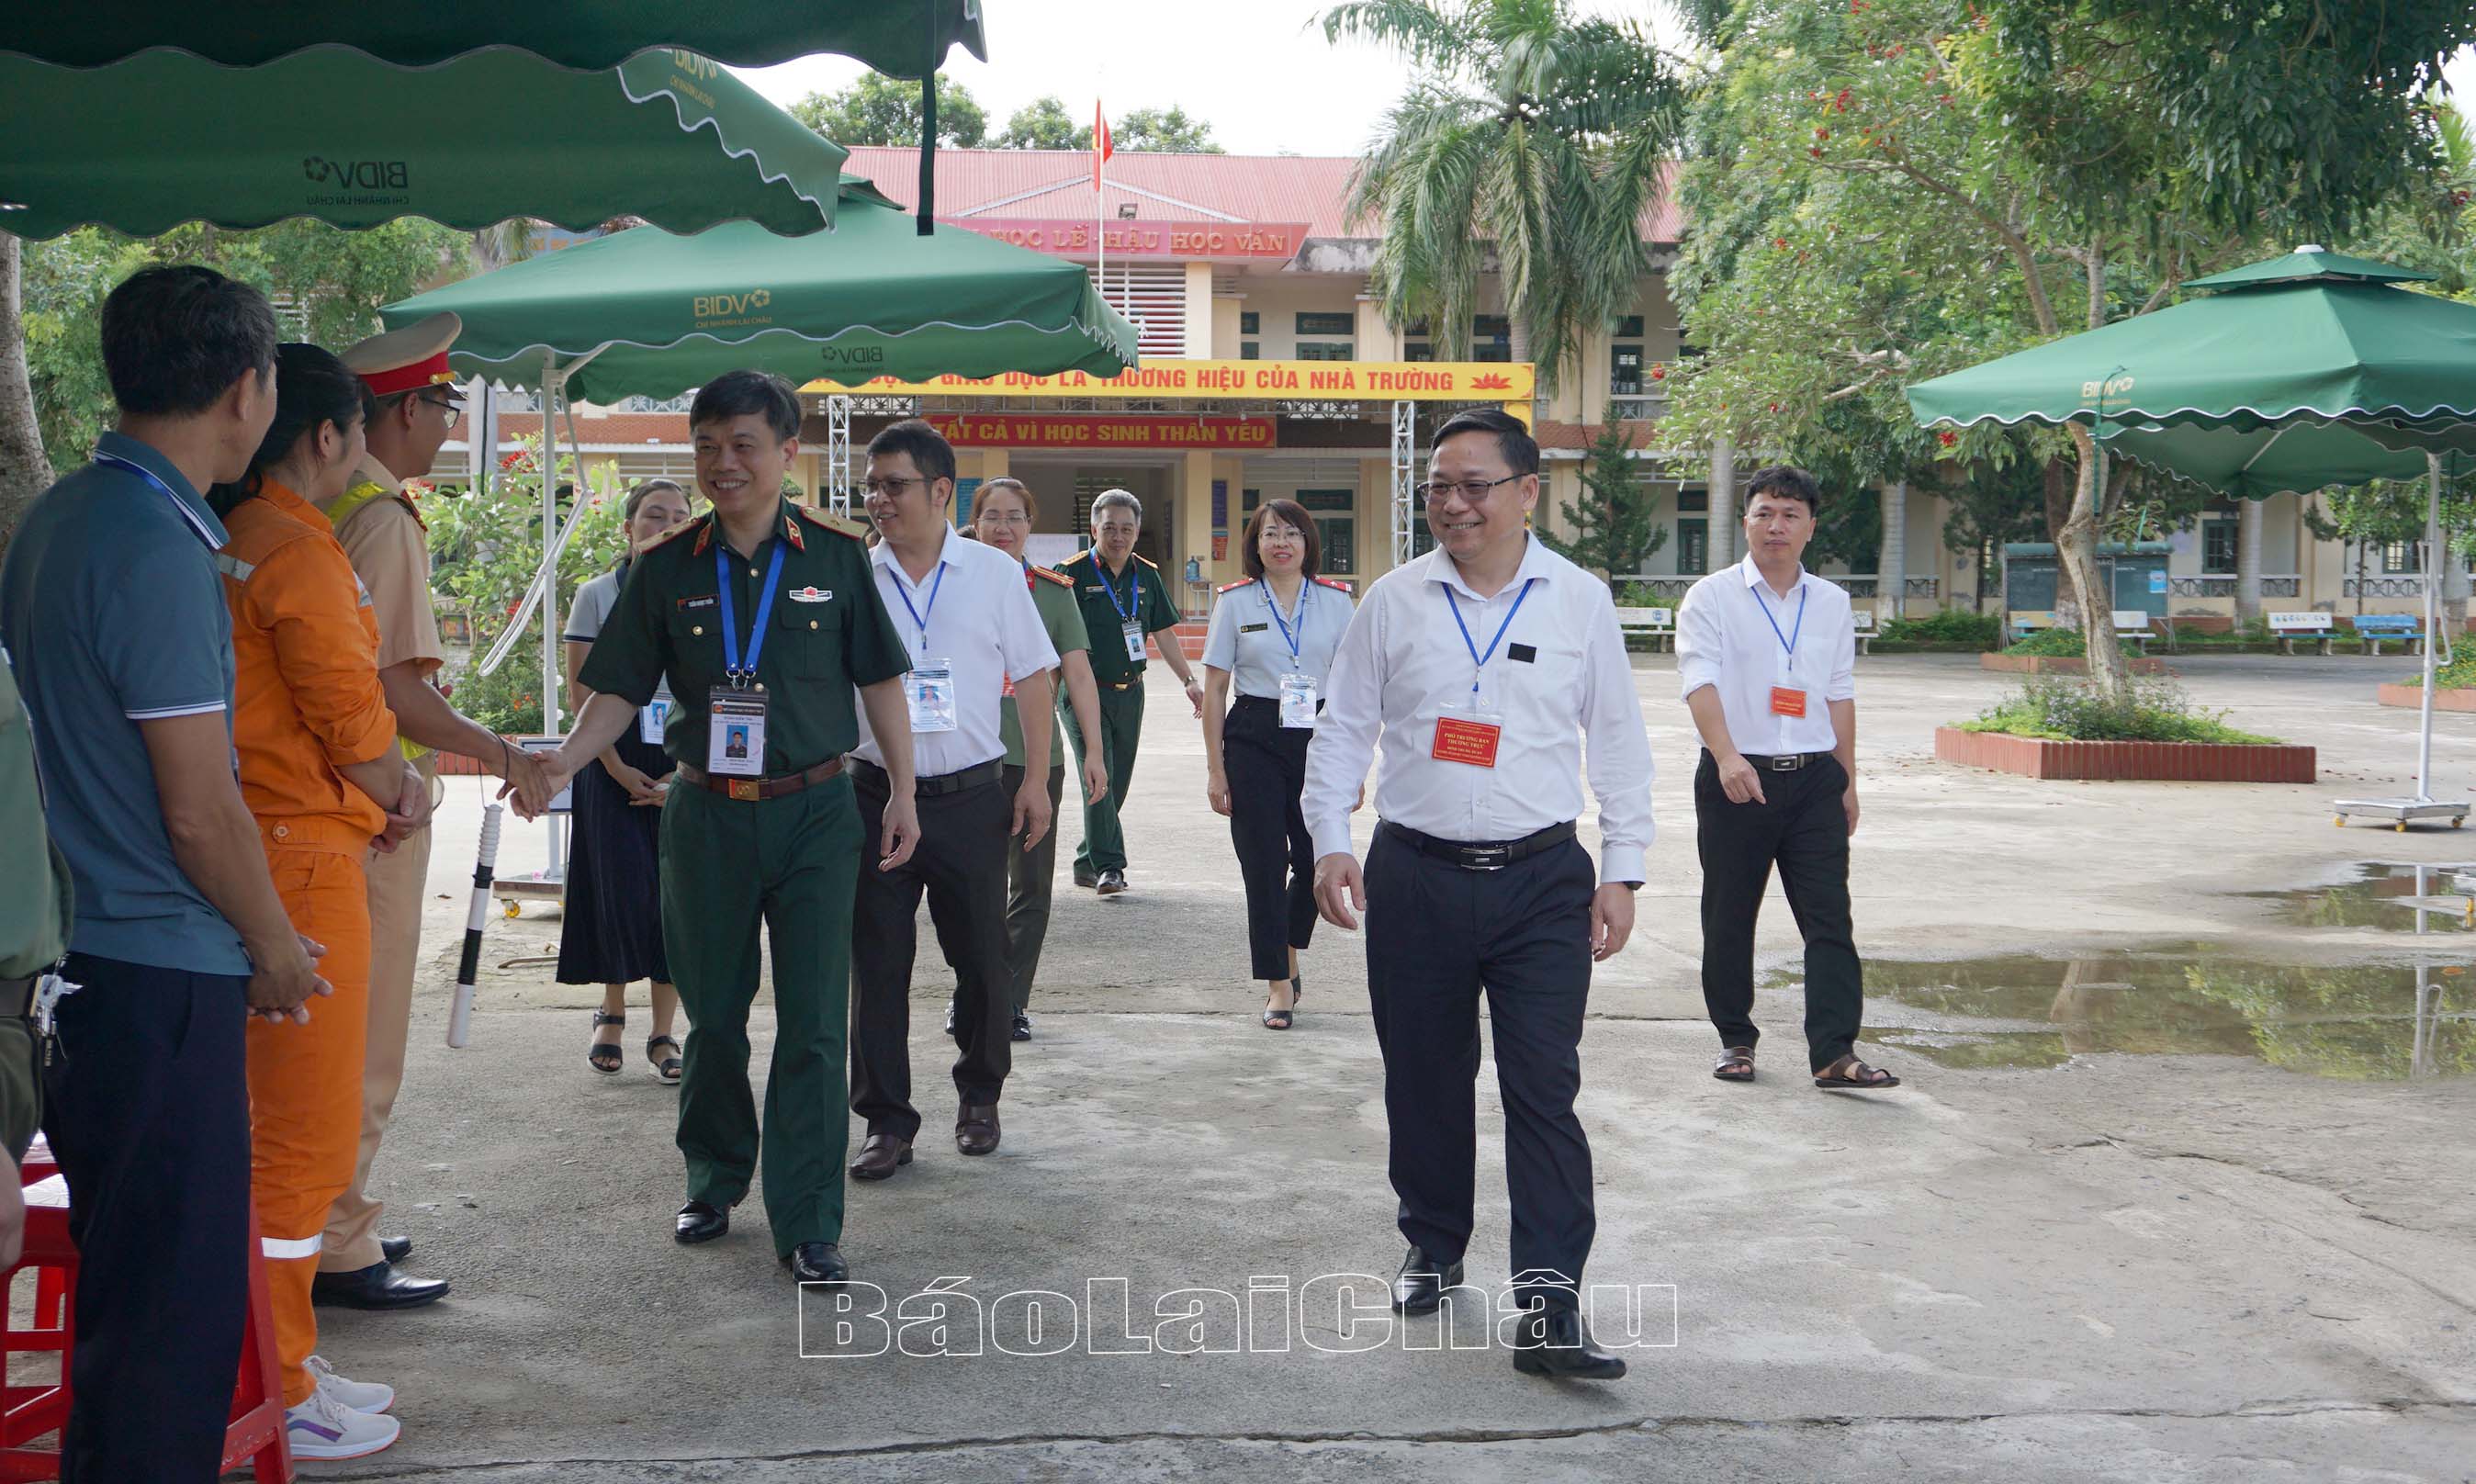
(1134, 633)
(1297, 701)
(1786, 701)
(1468, 733)
(735, 734)
(929, 690)
(652, 718)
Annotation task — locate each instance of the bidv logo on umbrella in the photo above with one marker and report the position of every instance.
(358, 182)
(724, 310)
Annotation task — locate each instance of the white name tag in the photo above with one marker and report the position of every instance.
(929, 690)
(1297, 701)
(1134, 633)
(735, 734)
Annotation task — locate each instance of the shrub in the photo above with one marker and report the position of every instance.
(2071, 710)
(1951, 626)
(2059, 642)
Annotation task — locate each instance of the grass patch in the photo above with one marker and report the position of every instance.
(1952, 625)
(2059, 643)
(2071, 710)
(2458, 675)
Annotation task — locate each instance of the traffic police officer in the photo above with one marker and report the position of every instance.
(764, 616)
(1271, 636)
(1482, 666)
(381, 532)
(1124, 602)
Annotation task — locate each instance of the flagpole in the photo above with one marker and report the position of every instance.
(1101, 193)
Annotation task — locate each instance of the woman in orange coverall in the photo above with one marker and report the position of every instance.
(326, 784)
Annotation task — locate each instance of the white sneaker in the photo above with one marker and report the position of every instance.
(353, 1395)
(323, 1429)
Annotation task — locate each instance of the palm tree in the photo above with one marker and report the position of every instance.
(1531, 137)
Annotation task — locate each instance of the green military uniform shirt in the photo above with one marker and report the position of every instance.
(1052, 594)
(828, 633)
(35, 905)
(1106, 620)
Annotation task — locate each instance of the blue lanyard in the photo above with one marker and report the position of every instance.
(920, 620)
(1788, 640)
(1135, 588)
(1287, 636)
(738, 675)
(115, 460)
(1479, 661)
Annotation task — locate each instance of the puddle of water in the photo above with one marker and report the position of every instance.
(2377, 895)
(2368, 1021)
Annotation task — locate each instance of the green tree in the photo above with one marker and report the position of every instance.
(1530, 144)
(1165, 131)
(1044, 123)
(1613, 530)
(879, 110)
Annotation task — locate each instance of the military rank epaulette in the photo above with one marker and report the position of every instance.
(839, 525)
(680, 530)
(1059, 578)
(1231, 587)
(1085, 555)
(1145, 560)
(1335, 583)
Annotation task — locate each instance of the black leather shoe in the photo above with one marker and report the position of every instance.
(1418, 1288)
(378, 1286)
(395, 1249)
(1112, 883)
(1552, 1341)
(698, 1223)
(818, 1261)
(880, 1154)
(1022, 1026)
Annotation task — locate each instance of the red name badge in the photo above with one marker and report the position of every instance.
(1465, 741)
(1786, 701)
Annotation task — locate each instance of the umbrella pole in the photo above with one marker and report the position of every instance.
(2434, 562)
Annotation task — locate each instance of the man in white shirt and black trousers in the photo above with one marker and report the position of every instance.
(1768, 657)
(972, 628)
(1482, 666)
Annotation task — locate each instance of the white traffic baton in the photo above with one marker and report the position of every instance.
(460, 1016)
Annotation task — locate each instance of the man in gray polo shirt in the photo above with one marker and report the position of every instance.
(110, 605)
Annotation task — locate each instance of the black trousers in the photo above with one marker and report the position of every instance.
(147, 1109)
(1265, 765)
(961, 865)
(1436, 936)
(1801, 825)
(1031, 879)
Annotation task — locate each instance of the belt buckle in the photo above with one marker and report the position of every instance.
(1788, 762)
(746, 790)
(1486, 858)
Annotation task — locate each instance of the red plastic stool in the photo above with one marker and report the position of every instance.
(27, 1412)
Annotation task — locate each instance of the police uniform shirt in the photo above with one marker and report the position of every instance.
(827, 633)
(112, 610)
(1560, 673)
(1139, 590)
(981, 622)
(1725, 640)
(1245, 637)
(389, 549)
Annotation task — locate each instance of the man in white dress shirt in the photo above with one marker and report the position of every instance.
(1481, 667)
(1768, 657)
(972, 628)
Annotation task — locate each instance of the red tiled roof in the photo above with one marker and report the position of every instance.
(1314, 190)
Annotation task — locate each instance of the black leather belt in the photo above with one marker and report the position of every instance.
(1785, 762)
(955, 783)
(749, 790)
(1478, 855)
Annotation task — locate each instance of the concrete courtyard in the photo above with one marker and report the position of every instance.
(2168, 1194)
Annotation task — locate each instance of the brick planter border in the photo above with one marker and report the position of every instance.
(2180, 762)
(2445, 698)
(2061, 665)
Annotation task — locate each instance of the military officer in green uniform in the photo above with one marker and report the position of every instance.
(764, 618)
(1124, 601)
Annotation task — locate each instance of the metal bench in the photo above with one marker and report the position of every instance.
(2379, 629)
(1658, 624)
(2312, 627)
(2133, 625)
(1863, 623)
(2020, 623)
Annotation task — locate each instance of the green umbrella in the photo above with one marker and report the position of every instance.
(646, 314)
(164, 138)
(899, 38)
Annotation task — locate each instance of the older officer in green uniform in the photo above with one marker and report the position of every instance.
(763, 617)
(1124, 601)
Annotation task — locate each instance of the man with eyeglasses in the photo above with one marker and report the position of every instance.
(1125, 603)
(380, 529)
(1481, 667)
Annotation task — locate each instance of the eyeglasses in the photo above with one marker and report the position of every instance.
(455, 410)
(891, 486)
(1474, 491)
(1015, 518)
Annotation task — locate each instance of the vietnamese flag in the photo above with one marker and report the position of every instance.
(1100, 149)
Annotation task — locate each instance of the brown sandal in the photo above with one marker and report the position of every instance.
(1851, 1073)
(1736, 1064)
